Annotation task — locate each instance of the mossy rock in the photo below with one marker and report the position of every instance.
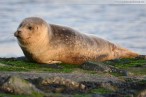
(17, 85)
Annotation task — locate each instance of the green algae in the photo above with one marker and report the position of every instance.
(101, 91)
(13, 64)
(126, 63)
(136, 66)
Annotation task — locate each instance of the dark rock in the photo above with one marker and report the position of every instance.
(21, 58)
(9, 59)
(97, 95)
(117, 95)
(121, 72)
(100, 67)
(3, 79)
(141, 57)
(95, 67)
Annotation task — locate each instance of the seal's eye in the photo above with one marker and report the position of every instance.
(29, 27)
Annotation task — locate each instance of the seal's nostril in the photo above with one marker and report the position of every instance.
(19, 31)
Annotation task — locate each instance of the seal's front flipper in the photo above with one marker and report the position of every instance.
(53, 62)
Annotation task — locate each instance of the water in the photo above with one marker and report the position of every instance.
(122, 24)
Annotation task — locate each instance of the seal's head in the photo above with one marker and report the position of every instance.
(30, 29)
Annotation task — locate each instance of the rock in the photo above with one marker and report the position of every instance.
(142, 94)
(125, 73)
(59, 90)
(95, 66)
(1, 65)
(120, 71)
(97, 95)
(21, 58)
(63, 82)
(108, 86)
(9, 59)
(100, 67)
(141, 57)
(17, 85)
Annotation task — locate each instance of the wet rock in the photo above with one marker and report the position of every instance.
(17, 85)
(62, 84)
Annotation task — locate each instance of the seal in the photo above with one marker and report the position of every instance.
(48, 43)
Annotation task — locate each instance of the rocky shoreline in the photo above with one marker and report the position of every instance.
(45, 84)
(80, 82)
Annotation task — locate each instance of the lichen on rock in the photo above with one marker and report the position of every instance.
(61, 81)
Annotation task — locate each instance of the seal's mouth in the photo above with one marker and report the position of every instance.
(20, 37)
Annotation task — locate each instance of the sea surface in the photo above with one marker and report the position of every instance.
(122, 24)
